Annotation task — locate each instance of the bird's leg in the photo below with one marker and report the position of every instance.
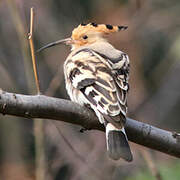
(83, 129)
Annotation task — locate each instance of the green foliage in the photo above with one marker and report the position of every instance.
(167, 172)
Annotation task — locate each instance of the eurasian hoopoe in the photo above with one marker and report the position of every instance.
(96, 74)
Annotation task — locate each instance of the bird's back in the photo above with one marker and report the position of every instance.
(90, 79)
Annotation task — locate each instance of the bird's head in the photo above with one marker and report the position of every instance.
(86, 34)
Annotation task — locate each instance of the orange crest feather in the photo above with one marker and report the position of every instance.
(95, 28)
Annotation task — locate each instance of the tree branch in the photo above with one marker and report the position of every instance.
(40, 106)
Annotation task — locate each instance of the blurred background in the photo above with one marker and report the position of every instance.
(43, 149)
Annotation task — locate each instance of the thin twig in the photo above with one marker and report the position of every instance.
(38, 124)
(39, 148)
(30, 37)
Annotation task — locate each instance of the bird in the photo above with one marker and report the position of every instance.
(96, 76)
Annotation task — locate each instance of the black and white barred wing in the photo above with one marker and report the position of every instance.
(121, 77)
(89, 80)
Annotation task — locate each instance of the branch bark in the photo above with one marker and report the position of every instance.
(40, 106)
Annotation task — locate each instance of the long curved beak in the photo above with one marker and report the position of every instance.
(66, 41)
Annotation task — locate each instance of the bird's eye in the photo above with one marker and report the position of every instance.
(85, 37)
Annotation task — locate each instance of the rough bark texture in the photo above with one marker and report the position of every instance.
(40, 106)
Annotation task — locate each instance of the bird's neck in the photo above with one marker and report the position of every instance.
(101, 40)
(102, 47)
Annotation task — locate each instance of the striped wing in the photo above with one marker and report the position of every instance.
(121, 76)
(90, 75)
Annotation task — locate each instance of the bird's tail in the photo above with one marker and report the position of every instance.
(117, 143)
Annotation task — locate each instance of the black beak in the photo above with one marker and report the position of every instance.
(66, 41)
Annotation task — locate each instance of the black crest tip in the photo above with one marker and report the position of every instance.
(83, 24)
(122, 27)
(94, 24)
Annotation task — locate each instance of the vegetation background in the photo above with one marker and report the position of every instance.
(152, 42)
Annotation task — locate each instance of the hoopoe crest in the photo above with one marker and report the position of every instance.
(96, 76)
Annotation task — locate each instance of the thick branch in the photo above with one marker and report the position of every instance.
(41, 106)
